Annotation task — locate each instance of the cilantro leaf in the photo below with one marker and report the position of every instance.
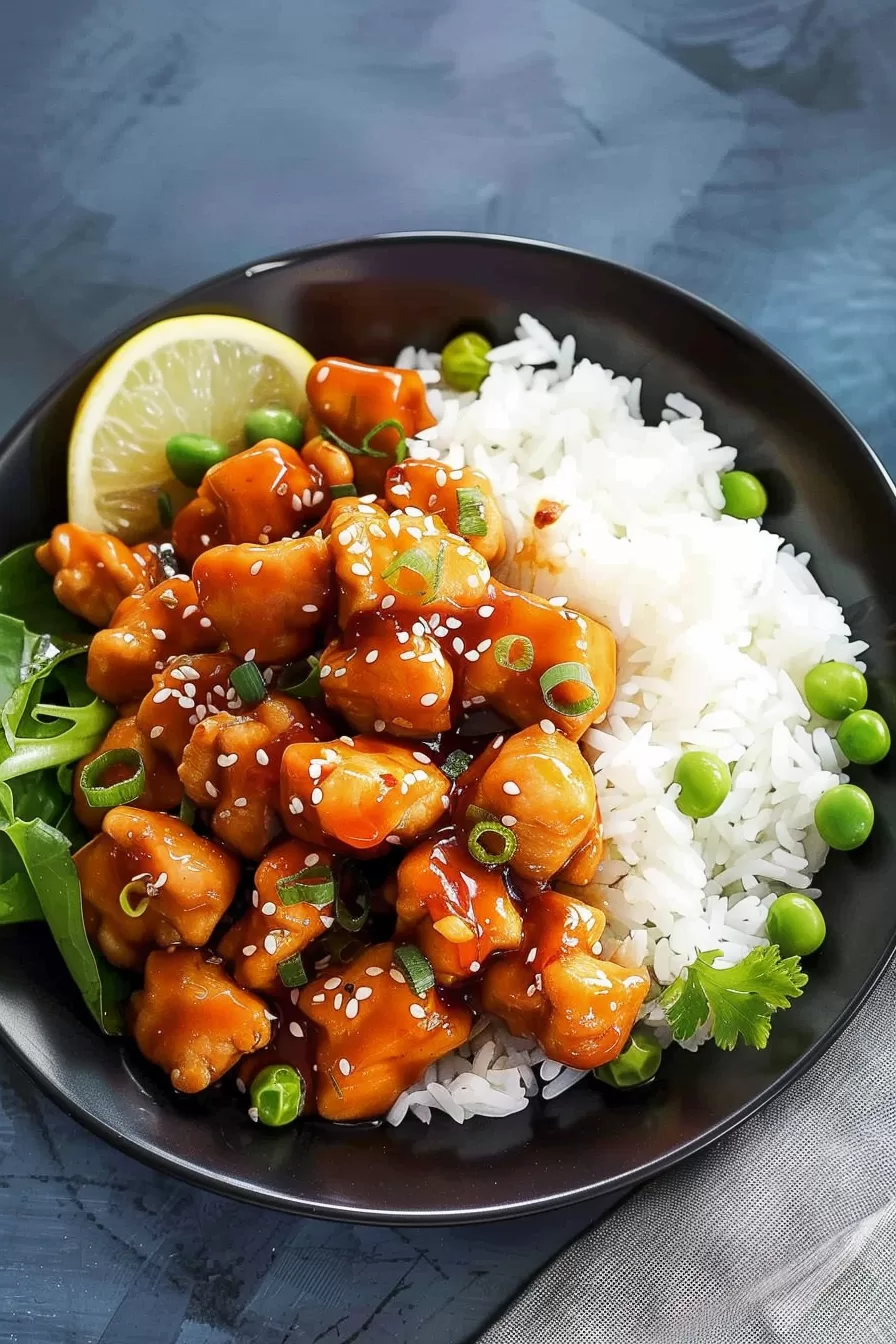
(741, 998)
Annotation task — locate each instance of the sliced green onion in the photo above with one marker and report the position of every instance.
(187, 811)
(248, 683)
(417, 561)
(523, 660)
(345, 918)
(363, 451)
(471, 512)
(166, 512)
(307, 687)
(416, 966)
(292, 972)
(342, 491)
(124, 899)
(556, 676)
(485, 856)
(342, 946)
(297, 888)
(168, 559)
(456, 764)
(113, 795)
(401, 447)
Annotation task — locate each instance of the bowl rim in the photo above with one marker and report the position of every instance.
(198, 1175)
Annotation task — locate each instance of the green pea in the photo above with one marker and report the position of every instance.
(705, 782)
(796, 924)
(278, 1094)
(190, 456)
(638, 1062)
(834, 690)
(864, 737)
(844, 816)
(464, 363)
(744, 494)
(273, 422)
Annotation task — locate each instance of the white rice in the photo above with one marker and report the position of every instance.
(717, 622)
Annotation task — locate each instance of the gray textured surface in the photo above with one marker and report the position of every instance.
(743, 148)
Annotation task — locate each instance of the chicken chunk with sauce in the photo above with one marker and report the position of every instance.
(192, 1020)
(375, 1035)
(268, 602)
(279, 925)
(360, 793)
(461, 496)
(390, 677)
(92, 571)
(556, 988)
(182, 695)
(187, 882)
(457, 911)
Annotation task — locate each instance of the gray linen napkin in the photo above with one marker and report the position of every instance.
(786, 1231)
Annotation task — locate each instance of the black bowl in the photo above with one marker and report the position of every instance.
(829, 495)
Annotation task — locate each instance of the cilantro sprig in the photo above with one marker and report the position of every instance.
(740, 998)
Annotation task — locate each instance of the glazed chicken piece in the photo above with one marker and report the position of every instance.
(390, 678)
(457, 912)
(260, 495)
(360, 793)
(192, 1020)
(163, 790)
(404, 563)
(351, 399)
(580, 1009)
(278, 925)
(232, 763)
(189, 883)
(144, 633)
(449, 492)
(92, 571)
(375, 1036)
(552, 636)
(538, 784)
(182, 695)
(268, 602)
(334, 465)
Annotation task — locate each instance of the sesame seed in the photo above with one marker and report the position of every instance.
(325, 671)
(457, 644)
(373, 971)
(397, 976)
(224, 761)
(361, 570)
(188, 611)
(240, 802)
(311, 860)
(204, 538)
(295, 1029)
(558, 601)
(475, 966)
(249, 656)
(372, 656)
(509, 787)
(351, 1008)
(317, 796)
(408, 654)
(441, 477)
(486, 611)
(456, 475)
(429, 699)
(328, 921)
(293, 997)
(262, 757)
(340, 672)
(452, 623)
(530, 991)
(419, 756)
(249, 949)
(270, 944)
(240, 1085)
(379, 726)
(364, 992)
(161, 696)
(334, 981)
(205, 623)
(388, 601)
(189, 673)
(296, 503)
(471, 656)
(441, 630)
(310, 608)
(210, 789)
(531, 956)
(547, 727)
(306, 497)
(486, 644)
(403, 635)
(271, 1017)
(508, 820)
(445, 800)
(393, 839)
(349, 741)
(253, 1114)
(318, 998)
(256, 568)
(337, 1002)
(314, 769)
(596, 949)
(269, 908)
(499, 740)
(344, 1068)
(157, 731)
(417, 1010)
(296, 806)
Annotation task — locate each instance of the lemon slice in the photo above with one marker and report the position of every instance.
(200, 374)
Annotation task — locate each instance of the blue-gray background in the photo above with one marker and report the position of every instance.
(743, 148)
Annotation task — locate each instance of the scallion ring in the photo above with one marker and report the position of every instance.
(113, 795)
(485, 856)
(124, 899)
(456, 764)
(187, 811)
(350, 448)
(301, 679)
(563, 672)
(471, 512)
(292, 972)
(401, 447)
(416, 966)
(522, 660)
(416, 561)
(248, 683)
(344, 917)
(342, 491)
(302, 887)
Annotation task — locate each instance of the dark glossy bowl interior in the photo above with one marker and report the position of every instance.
(828, 495)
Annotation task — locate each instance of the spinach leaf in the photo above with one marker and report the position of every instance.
(18, 902)
(42, 729)
(26, 592)
(44, 852)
